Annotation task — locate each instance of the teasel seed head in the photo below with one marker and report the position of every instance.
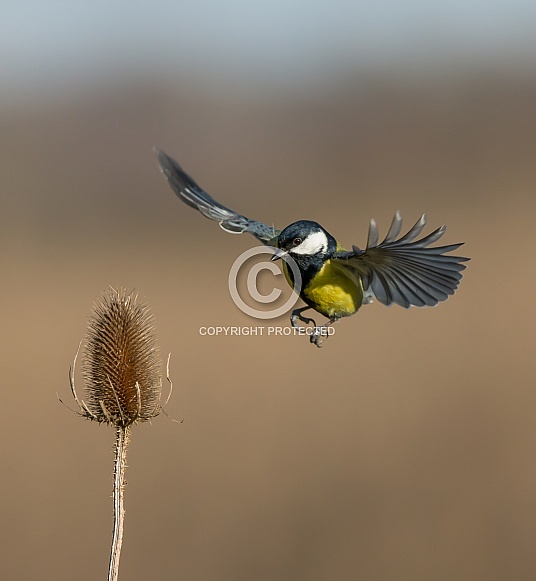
(121, 365)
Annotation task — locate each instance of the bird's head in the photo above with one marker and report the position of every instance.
(305, 240)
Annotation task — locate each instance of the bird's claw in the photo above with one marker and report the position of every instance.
(294, 317)
(318, 334)
(317, 337)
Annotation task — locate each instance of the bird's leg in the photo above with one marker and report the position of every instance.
(319, 335)
(297, 314)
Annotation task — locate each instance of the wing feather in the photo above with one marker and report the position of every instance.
(394, 229)
(406, 271)
(415, 230)
(373, 234)
(191, 194)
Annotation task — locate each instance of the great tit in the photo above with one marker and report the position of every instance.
(336, 282)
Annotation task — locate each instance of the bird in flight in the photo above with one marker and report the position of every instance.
(335, 282)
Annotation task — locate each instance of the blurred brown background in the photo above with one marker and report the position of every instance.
(402, 450)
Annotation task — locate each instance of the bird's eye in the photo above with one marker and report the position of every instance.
(297, 241)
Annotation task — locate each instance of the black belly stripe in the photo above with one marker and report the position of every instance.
(309, 268)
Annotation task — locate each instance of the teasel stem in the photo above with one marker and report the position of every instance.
(121, 444)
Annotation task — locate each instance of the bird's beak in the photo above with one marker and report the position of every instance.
(278, 254)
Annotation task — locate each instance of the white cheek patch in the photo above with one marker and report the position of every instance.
(314, 243)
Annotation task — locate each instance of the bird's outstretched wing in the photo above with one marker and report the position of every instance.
(406, 271)
(190, 193)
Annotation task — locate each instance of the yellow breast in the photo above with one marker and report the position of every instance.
(335, 291)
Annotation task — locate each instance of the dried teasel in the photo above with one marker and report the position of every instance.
(123, 384)
(121, 365)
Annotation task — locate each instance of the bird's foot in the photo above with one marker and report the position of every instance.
(320, 334)
(297, 316)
